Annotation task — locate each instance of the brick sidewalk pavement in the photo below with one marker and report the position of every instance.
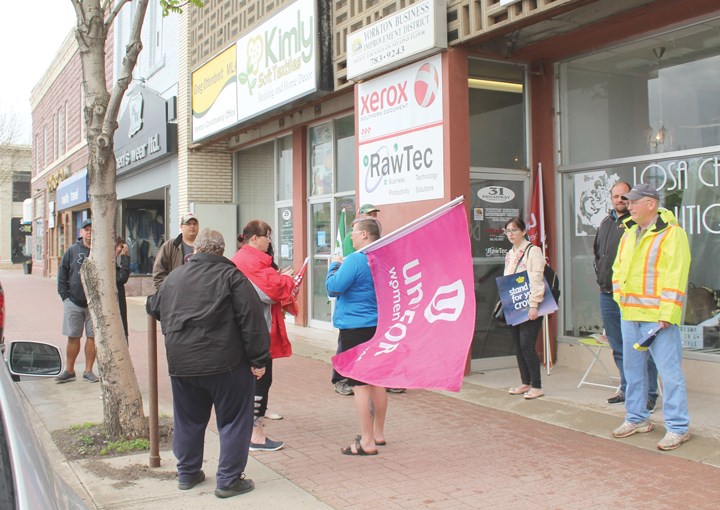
(446, 453)
(442, 452)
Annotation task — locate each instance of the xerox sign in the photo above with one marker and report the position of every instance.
(400, 135)
(408, 97)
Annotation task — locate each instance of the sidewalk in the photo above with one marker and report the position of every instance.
(481, 448)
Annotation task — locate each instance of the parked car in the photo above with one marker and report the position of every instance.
(2, 320)
(27, 479)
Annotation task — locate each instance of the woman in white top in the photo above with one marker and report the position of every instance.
(525, 334)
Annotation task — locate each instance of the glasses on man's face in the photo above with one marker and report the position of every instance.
(511, 230)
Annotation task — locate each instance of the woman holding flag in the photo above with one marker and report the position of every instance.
(525, 256)
(355, 315)
(275, 289)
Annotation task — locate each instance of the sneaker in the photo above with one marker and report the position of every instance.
(395, 390)
(672, 440)
(343, 388)
(64, 377)
(268, 446)
(239, 486)
(651, 403)
(90, 377)
(196, 479)
(628, 429)
(617, 399)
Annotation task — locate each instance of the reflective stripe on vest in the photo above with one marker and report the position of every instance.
(652, 260)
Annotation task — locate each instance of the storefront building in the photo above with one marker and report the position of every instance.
(582, 88)
(145, 144)
(59, 172)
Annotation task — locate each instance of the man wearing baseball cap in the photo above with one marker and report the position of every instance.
(369, 209)
(174, 252)
(76, 315)
(650, 275)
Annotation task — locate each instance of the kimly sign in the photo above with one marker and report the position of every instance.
(143, 134)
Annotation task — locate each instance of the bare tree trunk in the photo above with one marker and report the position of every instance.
(123, 408)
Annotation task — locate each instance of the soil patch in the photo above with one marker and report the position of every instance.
(90, 441)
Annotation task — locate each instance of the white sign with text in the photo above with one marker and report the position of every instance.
(400, 134)
(411, 33)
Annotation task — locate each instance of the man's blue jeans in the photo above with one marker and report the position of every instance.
(610, 312)
(666, 349)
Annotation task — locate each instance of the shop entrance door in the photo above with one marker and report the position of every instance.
(494, 198)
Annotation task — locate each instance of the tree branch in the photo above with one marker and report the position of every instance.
(80, 28)
(132, 50)
(111, 17)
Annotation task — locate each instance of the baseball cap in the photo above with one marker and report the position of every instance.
(86, 223)
(641, 190)
(367, 208)
(187, 217)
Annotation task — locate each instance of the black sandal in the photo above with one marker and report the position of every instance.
(347, 450)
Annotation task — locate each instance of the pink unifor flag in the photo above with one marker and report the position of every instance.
(536, 225)
(424, 284)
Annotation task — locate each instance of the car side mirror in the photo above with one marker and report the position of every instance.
(37, 359)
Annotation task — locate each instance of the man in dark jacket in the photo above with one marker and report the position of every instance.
(217, 344)
(605, 247)
(174, 252)
(76, 315)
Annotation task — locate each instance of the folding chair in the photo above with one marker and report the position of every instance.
(595, 347)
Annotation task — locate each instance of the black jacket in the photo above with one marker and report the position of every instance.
(605, 248)
(211, 317)
(68, 280)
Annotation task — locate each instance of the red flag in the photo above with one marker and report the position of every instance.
(536, 225)
(426, 306)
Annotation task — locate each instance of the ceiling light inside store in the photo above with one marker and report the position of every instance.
(501, 86)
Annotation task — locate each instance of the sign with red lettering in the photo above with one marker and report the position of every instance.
(400, 134)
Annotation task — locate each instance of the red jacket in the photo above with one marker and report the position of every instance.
(257, 267)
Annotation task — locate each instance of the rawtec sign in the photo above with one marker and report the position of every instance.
(400, 135)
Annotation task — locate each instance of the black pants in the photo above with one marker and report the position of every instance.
(193, 398)
(262, 390)
(525, 336)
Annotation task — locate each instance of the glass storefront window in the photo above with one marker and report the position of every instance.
(644, 112)
(650, 97)
(144, 232)
(284, 168)
(321, 159)
(497, 114)
(322, 242)
(345, 128)
(284, 235)
(690, 188)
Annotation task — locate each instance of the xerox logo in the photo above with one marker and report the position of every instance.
(427, 84)
(426, 89)
(386, 98)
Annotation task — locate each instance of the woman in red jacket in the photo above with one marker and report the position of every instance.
(275, 289)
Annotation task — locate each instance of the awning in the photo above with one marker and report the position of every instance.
(72, 191)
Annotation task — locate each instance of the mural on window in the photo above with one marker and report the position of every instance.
(690, 189)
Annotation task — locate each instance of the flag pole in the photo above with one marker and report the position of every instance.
(546, 326)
